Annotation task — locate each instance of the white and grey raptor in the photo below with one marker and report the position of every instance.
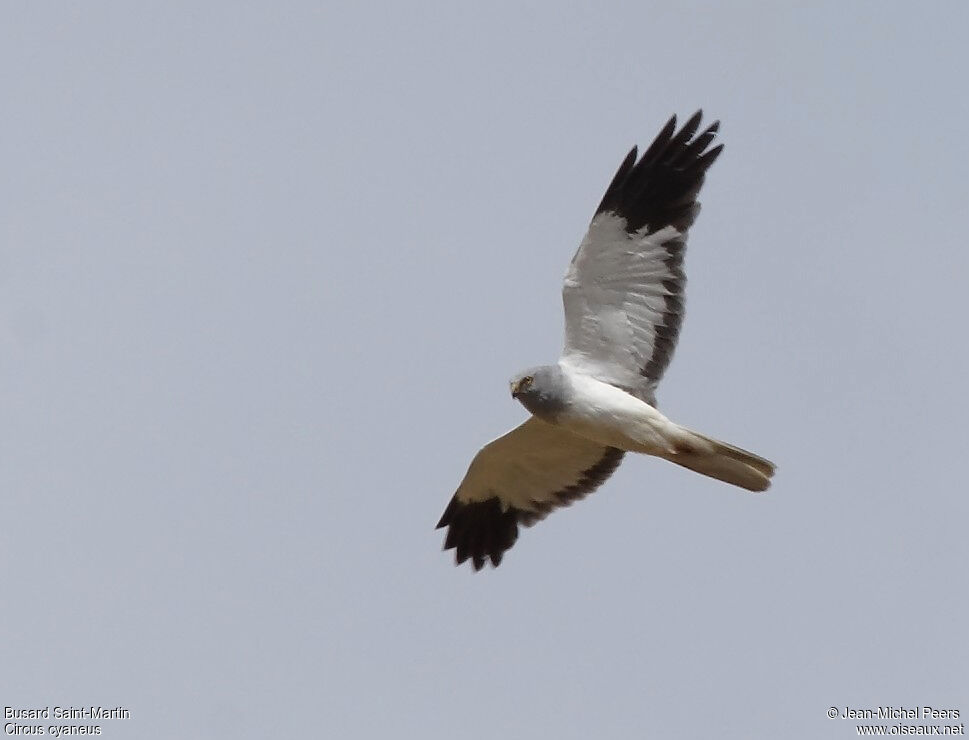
(623, 295)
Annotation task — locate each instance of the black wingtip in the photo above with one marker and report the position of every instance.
(661, 141)
(691, 126)
(710, 157)
(669, 128)
(660, 188)
(627, 164)
(447, 515)
(479, 531)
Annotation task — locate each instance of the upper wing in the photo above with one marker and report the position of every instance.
(624, 290)
(518, 479)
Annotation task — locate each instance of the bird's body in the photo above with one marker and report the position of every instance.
(602, 413)
(612, 417)
(624, 298)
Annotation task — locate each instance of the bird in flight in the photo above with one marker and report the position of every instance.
(624, 295)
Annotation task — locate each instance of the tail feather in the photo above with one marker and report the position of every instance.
(724, 462)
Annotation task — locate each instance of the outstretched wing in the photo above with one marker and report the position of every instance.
(518, 479)
(624, 290)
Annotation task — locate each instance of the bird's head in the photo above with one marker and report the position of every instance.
(541, 390)
(522, 383)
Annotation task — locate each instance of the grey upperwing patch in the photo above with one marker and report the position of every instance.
(659, 190)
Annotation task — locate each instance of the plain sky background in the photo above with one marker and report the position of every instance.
(265, 271)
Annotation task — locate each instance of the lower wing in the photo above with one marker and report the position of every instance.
(518, 479)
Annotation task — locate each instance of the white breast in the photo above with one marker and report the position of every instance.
(611, 416)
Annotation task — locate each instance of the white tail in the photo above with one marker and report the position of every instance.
(721, 461)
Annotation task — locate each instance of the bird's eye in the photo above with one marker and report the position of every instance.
(527, 380)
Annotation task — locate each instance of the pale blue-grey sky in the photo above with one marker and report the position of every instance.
(265, 271)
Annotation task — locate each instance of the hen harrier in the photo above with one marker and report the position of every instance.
(623, 295)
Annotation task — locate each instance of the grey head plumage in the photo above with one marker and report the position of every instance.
(543, 390)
